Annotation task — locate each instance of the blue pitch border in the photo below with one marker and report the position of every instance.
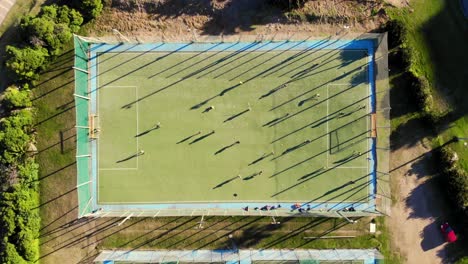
(325, 44)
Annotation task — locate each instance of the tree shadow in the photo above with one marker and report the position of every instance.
(431, 237)
(226, 17)
(251, 235)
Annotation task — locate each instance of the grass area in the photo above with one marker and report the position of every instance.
(248, 232)
(308, 115)
(438, 40)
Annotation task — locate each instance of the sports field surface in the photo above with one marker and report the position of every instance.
(261, 122)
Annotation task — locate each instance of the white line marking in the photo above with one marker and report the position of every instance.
(351, 168)
(137, 115)
(118, 169)
(136, 148)
(328, 132)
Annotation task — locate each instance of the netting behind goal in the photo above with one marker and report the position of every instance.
(381, 125)
(82, 127)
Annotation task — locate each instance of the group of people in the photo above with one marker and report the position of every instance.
(263, 208)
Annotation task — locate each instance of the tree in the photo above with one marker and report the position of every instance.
(89, 8)
(53, 27)
(15, 98)
(25, 62)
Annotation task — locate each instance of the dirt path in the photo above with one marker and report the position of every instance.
(415, 216)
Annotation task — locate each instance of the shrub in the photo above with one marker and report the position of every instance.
(19, 216)
(15, 98)
(28, 173)
(25, 62)
(463, 260)
(287, 4)
(8, 219)
(89, 8)
(456, 178)
(27, 245)
(13, 135)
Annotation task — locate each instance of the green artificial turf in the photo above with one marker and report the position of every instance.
(185, 160)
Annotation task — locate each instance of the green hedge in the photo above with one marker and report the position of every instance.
(421, 87)
(456, 178)
(19, 217)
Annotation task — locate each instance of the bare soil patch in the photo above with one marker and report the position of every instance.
(418, 211)
(190, 19)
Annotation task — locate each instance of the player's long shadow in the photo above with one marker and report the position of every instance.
(272, 122)
(322, 118)
(147, 131)
(312, 174)
(274, 90)
(226, 182)
(202, 137)
(293, 148)
(189, 137)
(236, 115)
(184, 61)
(264, 156)
(129, 157)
